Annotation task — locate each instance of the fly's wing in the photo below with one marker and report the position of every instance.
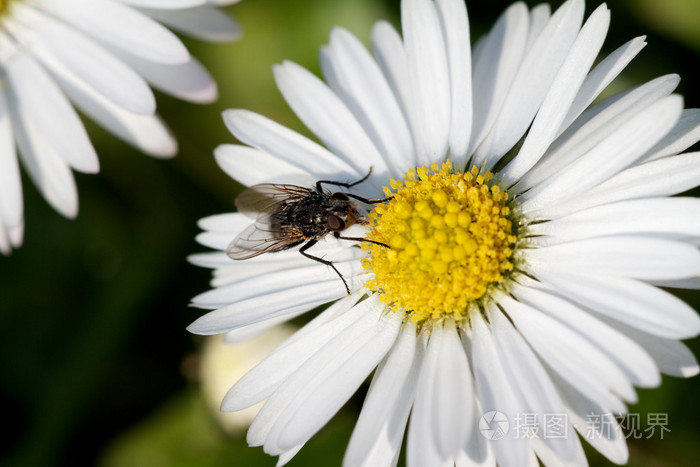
(267, 234)
(267, 197)
(261, 237)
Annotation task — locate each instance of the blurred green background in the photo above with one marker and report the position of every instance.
(96, 362)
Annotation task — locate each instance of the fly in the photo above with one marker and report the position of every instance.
(289, 215)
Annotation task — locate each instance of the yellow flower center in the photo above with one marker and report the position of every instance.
(450, 239)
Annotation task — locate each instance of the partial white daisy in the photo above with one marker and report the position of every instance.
(516, 265)
(222, 363)
(103, 57)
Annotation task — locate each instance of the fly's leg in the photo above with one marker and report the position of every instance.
(311, 243)
(343, 184)
(359, 239)
(368, 201)
(350, 185)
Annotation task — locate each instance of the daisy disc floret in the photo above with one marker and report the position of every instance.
(451, 239)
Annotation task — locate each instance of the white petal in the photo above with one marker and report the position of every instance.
(495, 66)
(47, 169)
(477, 452)
(122, 27)
(287, 456)
(356, 78)
(222, 2)
(563, 90)
(16, 235)
(311, 272)
(390, 55)
(634, 303)
(628, 256)
(496, 391)
(230, 222)
(443, 413)
(377, 437)
(666, 216)
(51, 175)
(164, 4)
(428, 75)
(247, 333)
(691, 283)
(5, 247)
(346, 262)
(189, 80)
(11, 203)
(11, 237)
(146, 132)
(329, 118)
(455, 26)
(535, 388)
(328, 379)
(42, 105)
(204, 22)
(672, 356)
(67, 52)
(533, 79)
(628, 355)
(628, 143)
(255, 310)
(596, 124)
(682, 136)
(539, 17)
(229, 271)
(602, 75)
(420, 445)
(251, 166)
(286, 145)
(276, 303)
(570, 355)
(260, 382)
(237, 271)
(594, 422)
(664, 177)
(547, 456)
(214, 259)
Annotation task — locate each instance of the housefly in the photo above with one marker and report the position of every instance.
(289, 215)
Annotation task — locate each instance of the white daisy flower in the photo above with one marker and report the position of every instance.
(100, 56)
(221, 364)
(516, 265)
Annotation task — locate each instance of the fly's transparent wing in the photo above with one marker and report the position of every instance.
(261, 237)
(267, 197)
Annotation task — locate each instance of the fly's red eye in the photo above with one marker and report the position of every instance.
(339, 196)
(335, 223)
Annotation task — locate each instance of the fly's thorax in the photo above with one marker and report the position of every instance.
(452, 239)
(316, 214)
